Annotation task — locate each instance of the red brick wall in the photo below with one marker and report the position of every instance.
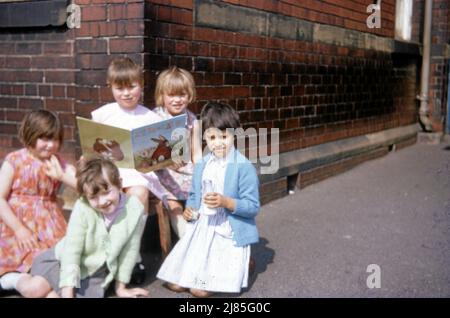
(313, 92)
(418, 18)
(342, 13)
(36, 70)
(108, 29)
(64, 69)
(440, 36)
(99, 41)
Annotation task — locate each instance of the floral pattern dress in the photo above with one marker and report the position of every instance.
(183, 176)
(33, 201)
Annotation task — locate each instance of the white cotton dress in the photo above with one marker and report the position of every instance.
(206, 257)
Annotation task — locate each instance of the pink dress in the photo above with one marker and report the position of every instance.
(183, 176)
(33, 201)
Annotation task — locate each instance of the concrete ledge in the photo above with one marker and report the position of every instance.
(430, 138)
(296, 161)
(311, 176)
(410, 48)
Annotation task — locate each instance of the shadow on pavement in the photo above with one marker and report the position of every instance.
(263, 256)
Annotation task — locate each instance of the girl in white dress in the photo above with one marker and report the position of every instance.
(126, 80)
(214, 253)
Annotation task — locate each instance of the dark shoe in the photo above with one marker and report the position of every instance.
(251, 265)
(138, 275)
(7, 292)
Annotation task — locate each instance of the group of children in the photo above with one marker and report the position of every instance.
(212, 201)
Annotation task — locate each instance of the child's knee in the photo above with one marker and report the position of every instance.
(176, 207)
(34, 287)
(140, 192)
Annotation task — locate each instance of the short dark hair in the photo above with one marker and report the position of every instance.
(220, 116)
(40, 123)
(92, 172)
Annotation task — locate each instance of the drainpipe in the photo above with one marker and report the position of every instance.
(424, 110)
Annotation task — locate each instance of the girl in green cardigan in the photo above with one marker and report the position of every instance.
(102, 240)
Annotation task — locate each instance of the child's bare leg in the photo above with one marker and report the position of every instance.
(176, 217)
(33, 286)
(141, 193)
(8, 281)
(52, 294)
(164, 229)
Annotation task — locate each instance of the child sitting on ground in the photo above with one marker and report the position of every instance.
(175, 90)
(102, 241)
(31, 218)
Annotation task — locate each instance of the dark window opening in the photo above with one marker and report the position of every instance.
(40, 13)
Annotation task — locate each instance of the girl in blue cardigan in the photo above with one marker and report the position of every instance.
(214, 254)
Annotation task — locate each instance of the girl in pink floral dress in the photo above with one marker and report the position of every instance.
(175, 90)
(31, 220)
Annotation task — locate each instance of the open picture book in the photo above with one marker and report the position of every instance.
(145, 149)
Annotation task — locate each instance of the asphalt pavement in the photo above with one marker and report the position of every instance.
(381, 229)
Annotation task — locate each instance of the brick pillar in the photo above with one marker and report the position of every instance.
(440, 36)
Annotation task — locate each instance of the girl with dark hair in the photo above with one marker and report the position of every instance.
(214, 254)
(31, 219)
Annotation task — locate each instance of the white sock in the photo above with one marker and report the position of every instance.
(178, 224)
(139, 259)
(9, 280)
